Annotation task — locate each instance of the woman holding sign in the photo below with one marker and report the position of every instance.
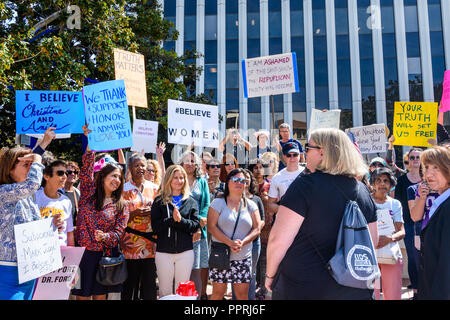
(101, 221)
(20, 177)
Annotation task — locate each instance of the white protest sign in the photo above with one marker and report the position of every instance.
(370, 139)
(57, 285)
(38, 251)
(270, 75)
(324, 119)
(193, 122)
(145, 136)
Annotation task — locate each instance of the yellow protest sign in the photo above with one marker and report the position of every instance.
(130, 67)
(415, 123)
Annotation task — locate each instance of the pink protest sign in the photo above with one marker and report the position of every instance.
(57, 285)
(445, 100)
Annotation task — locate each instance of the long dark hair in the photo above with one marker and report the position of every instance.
(99, 194)
(232, 173)
(253, 187)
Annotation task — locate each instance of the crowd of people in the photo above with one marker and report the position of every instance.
(277, 206)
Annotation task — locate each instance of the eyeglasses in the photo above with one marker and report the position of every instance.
(229, 163)
(414, 158)
(69, 172)
(213, 166)
(239, 180)
(151, 170)
(406, 162)
(290, 155)
(60, 173)
(378, 165)
(308, 146)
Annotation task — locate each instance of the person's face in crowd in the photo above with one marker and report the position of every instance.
(285, 133)
(205, 160)
(189, 164)
(258, 170)
(150, 173)
(234, 136)
(375, 165)
(435, 178)
(382, 185)
(237, 183)
(214, 169)
(247, 183)
(406, 162)
(58, 178)
(314, 155)
(112, 181)
(414, 159)
(291, 158)
(72, 174)
(262, 140)
(229, 165)
(20, 171)
(177, 182)
(138, 170)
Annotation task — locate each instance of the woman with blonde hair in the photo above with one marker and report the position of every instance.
(273, 161)
(174, 219)
(434, 276)
(305, 232)
(153, 172)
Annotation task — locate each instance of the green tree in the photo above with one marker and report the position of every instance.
(56, 57)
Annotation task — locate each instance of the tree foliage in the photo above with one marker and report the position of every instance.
(55, 57)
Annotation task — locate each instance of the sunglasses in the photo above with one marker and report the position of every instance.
(60, 173)
(414, 158)
(229, 164)
(290, 155)
(239, 180)
(308, 146)
(213, 166)
(406, 162)
(378, 165)
(75, 172)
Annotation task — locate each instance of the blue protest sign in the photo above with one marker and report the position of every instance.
(107, 115)
(38, 110)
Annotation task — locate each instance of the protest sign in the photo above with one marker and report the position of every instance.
(38, 251)
(57, 284)
(145, 136)
(108, 116)
(445, 100)
(38, 110)
(270, 75)
(324, 119)
(370, 139)
(415, 123)
(130, 67)
(193, 122)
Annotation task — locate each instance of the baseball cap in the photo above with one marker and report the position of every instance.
(290, 147)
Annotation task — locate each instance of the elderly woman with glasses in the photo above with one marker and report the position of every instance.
(237, 234)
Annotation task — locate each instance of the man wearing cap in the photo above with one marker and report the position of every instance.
(285, 134)
(283, 179)
(377, 163)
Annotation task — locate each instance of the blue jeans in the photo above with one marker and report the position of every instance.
(413, 254)
(256, 249)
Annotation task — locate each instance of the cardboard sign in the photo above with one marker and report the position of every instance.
(270, 75)
(370, 139)
(38, 110)
(57, 285)
(415, 123)
(108, 116)
(324, 119)
(145, 136)
(38, 251)
(130, 67)
(193, 122)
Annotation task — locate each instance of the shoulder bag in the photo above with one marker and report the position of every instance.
(220, 252)
(112, 270)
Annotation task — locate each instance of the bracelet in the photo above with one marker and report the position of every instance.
(268, 277)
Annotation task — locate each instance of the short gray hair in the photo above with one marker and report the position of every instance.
(285, 125)
(134, 157)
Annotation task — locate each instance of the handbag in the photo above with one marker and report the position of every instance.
(112, 270)
(219, 257)
(390, 253)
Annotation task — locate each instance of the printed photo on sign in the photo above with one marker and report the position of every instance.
(193, 122)
(108, 116)
(38, 110)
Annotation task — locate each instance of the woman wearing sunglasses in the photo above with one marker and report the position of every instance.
(222, 221)
(229, 163)
(216, 187)
(401, 194)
